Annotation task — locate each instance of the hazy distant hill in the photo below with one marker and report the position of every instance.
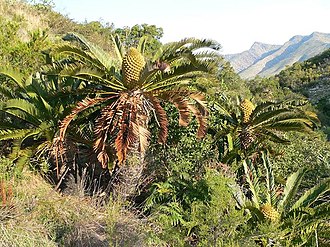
(241, 61)
(264, 59)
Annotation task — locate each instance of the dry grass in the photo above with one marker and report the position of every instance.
(125, 227)
(39, 216)
(11, 9)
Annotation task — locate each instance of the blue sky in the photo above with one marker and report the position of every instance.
(235, 24)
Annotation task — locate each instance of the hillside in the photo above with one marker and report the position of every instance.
(312, 79)
(111, 138)
(270, 59)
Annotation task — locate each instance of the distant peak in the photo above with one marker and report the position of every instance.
(296, 38)
(260, 47)
(319, 34)
(257, 44)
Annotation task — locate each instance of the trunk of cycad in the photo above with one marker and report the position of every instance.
(128, 176)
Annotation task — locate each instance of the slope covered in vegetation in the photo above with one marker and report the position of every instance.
(111, 138)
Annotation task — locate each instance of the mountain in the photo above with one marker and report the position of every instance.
(241, 61)
(265, 60)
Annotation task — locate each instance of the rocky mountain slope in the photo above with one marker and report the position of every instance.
(265, 60)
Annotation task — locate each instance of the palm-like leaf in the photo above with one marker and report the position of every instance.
(32, 112)
(124, 113)
(291, 189)
(267, 121)
(253, 182)
(313, 194)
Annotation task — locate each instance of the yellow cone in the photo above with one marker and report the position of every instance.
(133, 63)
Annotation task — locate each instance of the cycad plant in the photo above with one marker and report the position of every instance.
(31, 110)
(243, 129)
(295, 215)
(126, 92)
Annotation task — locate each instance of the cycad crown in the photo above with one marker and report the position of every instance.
(269, 212)
(247, 108)
(133, 63)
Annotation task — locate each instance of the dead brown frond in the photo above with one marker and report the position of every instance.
(161, 119)
(81, 106)
(201, 119)
(124, 124)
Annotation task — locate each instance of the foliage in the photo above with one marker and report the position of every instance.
(39, 216)
(26, 56)
(268, 121)
(296, 218)
(269, 89)
(307, 72)
(228, 83)
(130, 36)
(305, 151)
(32, 113)
(195, 211)
(128, 98)
(186, 196)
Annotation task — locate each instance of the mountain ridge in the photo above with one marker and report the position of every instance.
(266, 59)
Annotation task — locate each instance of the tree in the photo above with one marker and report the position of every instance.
(124, 98)
(243, 129)
(130, 36)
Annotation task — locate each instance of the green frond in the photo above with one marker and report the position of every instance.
(269, 116)
(205, 43)
(119, 48)
(273, 136)
(46, 105)
(13, 74)
(175, 82)
(94, 75)
(289, 125)
(23, 116)
(22, 158)
(14, 134)
(40, 87)
(276, 107)
(176, 50)
(184, 72)
(80, 54)
(322, 212)
(22, 105)
(291, 188)
(296, 115)
(270, 182)
(311, 195)
(98, 55)
(57, 66)
(40, 132)
(143, 42)
(253, 182)
(255, 212)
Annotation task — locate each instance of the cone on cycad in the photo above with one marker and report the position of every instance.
(246, 138)
(132, 65)
(270, 213)
(247, 109)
